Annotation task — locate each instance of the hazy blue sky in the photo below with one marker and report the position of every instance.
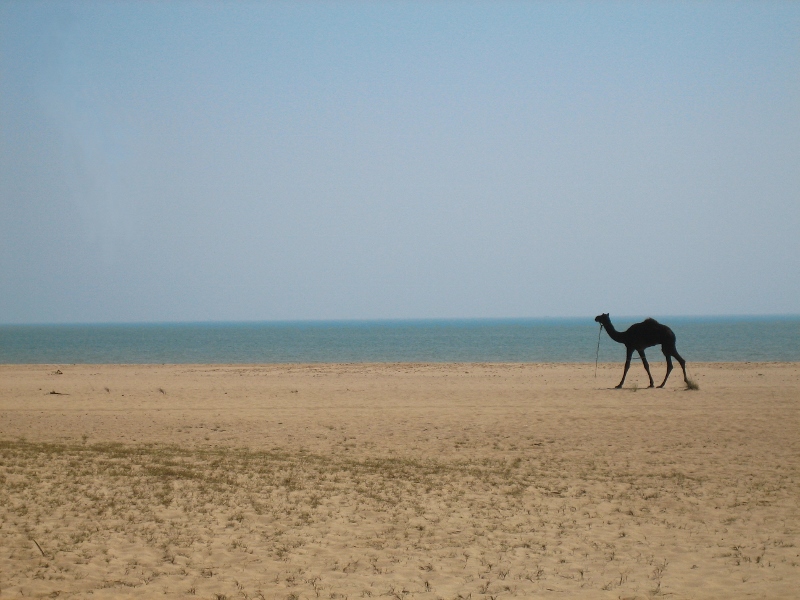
(231, 161)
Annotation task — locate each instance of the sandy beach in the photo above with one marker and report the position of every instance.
(399, 481)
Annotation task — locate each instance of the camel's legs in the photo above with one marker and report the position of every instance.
(668, 353)
(646, 365)
(682, 363)
(627, 365)
(669, 366)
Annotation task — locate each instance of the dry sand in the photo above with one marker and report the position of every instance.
(399, 481)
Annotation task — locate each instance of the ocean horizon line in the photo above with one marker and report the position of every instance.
(415, 320)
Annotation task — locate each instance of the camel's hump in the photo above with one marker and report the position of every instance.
(650, 321)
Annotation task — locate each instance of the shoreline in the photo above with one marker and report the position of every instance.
(423, 480)
(654, 360)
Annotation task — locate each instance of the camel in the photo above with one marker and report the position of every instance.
(643, 335)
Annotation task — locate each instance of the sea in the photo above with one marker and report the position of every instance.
(718, 339)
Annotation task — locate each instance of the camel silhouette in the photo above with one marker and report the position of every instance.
(643, 335)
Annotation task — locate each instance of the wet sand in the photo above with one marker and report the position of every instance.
(400, 481)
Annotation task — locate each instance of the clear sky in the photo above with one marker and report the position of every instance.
(166, 161)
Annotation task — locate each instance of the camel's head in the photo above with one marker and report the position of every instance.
(602, 319)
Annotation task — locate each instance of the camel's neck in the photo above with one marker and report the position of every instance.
(613, 333)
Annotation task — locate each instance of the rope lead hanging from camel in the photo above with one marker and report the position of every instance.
(597, 355)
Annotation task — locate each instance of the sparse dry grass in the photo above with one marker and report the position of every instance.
(114, 517)
(625, 500)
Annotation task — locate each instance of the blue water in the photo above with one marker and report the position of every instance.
(559, 340)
